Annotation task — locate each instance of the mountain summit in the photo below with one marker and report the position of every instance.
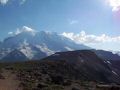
(36, 45)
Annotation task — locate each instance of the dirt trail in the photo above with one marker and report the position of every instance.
(10, 82)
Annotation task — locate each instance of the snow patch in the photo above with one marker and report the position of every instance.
(23, 29)
(69, 49)
(28, 52)
(45, 49)
(25, 42)
(56, 54)
(108, 62)
(104, 61)
(114, 72)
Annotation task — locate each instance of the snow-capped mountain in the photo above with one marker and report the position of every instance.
(36, 45)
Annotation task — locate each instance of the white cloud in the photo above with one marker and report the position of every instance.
(28, 29)
(99, 42)
(10, 33)
(3, 2)
(73, 22)
(23, 29)
(18, 31)
(82, 37)
(115, 4)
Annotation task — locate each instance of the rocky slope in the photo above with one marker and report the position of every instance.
(73, 70)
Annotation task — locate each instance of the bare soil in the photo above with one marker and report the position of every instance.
(10, 81)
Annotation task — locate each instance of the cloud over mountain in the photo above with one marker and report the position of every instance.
(82, 37)
(23, 29)
(99, 42)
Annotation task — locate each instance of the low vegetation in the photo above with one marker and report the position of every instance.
(79, 70)
(40, 75)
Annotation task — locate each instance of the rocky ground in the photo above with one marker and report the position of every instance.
(42, 76)
(8, 81)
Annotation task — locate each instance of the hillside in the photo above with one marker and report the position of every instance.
(73, 70)
(37, 45)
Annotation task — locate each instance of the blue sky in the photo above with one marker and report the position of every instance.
(93, 16)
